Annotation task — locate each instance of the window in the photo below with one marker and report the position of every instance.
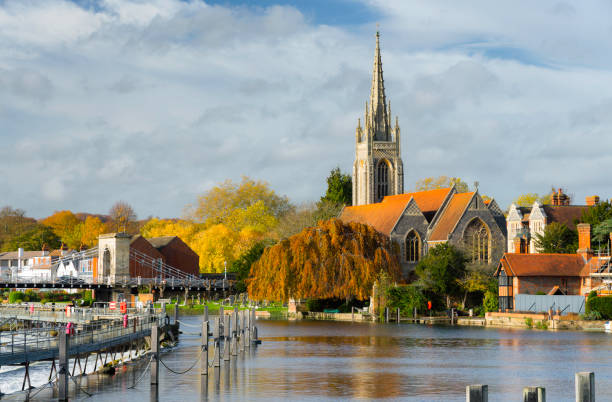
(413, 244)
(477, 240)
(382, 180)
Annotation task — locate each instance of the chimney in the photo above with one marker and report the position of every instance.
(592, 200)
(584, 240)
(19, 257)
(518, 242)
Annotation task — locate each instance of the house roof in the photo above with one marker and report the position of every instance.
(159, 242)
(450, 216)
(565, 214)
(384, 215)
(543, 265)
(13, 255)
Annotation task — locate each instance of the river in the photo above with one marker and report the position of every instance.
(324, 360)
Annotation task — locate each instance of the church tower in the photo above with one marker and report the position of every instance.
(378, 169)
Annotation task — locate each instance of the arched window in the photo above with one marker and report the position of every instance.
(478, 241)
(106, 262)
(382, 180)
(413, 243)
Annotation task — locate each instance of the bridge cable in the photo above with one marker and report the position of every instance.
(73, 378)
(44, 386)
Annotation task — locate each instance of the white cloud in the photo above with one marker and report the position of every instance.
(153, 101)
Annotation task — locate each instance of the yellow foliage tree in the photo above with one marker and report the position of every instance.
(91, 229)
(432, 183)
(215, 246)
(66, 226)
(331, 260)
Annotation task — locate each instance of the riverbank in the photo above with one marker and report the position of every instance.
(214, 307)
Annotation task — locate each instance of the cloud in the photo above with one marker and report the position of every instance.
(154, 101)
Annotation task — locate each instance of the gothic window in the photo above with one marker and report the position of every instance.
(413, 243)
(382, 180)
(478, 241)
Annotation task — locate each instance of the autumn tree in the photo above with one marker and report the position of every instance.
(432, 183)
(66, 226)
(91, 229)
(557, 238)
(331, 260)
(35, 239)
(122, 214)
(13, 223)
(219, 203)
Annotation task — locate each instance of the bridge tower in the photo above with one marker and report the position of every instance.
(114, 257)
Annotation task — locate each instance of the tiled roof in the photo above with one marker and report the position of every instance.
(13, 255)
(427, 201)
(450, 216)
(159, 242)
(565, 214)
(543, 264)
(383, 215)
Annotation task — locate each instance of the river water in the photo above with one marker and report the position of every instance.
(324, 360)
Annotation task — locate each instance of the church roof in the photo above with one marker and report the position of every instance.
(384, 215)
(450, 216)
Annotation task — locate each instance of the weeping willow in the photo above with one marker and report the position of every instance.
(331, 260)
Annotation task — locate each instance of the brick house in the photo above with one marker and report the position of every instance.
(176, 253)
(553, 274)
(141, 266)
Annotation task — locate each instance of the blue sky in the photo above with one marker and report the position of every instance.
(153, 102)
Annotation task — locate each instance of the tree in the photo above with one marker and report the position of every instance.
(432, 183)
(339, 188)
(35, 239)
(92, 229)
(66, 226)
(122, 214)
(598, 213)
(242, 265)
(217, 204)
(331, 260)
(557, 238)
(440, 270)
(406, 298)
(477, 278)
(601, 234)
(527, 200)
(13, 223)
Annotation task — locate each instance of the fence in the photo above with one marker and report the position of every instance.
(543, 303)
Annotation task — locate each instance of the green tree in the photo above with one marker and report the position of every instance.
(557, 238)
(432, 183)
(601, 233)
(339, 188)
(596, 214)
(491, 301)
(440, 270)
(527, 200)
(13, 223)
(477, 278)
(407, 298)
(242, 265)
(35, 239)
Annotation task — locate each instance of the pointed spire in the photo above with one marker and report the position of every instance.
(378, 107)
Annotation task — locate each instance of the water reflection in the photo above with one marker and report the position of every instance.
(330, 361)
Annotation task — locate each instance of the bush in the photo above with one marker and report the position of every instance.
(491, 301)
(16, 297)
(591, 316)
(602, 305)
(406, 298)
(529, 322)
(541, 325)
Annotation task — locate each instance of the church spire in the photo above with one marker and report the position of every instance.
(378, 103)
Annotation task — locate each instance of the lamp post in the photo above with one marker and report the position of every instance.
(224, 273)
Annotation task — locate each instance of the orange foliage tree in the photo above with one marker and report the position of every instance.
(331, 260)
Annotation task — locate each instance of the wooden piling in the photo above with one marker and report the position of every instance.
(477, 393)
(397, 315)
(63, 366)
(176, 312)
(247, 329)
(204, 360)
(217, 336)
(154, 355)
(534, 394)
(205, 313)
(226, 337)
(386, 314)
(234, 345)
(585, 386)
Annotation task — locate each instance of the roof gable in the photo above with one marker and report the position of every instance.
(537, 212)
(514, 214)
(411, 210)
(494, 208)
(450, 216)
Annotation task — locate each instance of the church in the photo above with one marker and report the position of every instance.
(420, 220)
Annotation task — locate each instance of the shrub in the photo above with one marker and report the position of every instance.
(602, 305)
(529, 322)
(591, 316)
(541, 325)
(16, 297)
(491, 301)
(406, 298)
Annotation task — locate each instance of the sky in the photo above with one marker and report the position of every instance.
(154, 102)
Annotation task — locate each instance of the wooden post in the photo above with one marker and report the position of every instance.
(352, 313)
(247, 329)
(386, 314)
(226, 337)
(206, 313)
(585, 387)
(217, 336)
(240, 326)
(397, 311)
(204, 360)
(154, 354)
(252, 321)
(452, 316)
(234, 344)
(176, 312)
(477, 393)
(63, 365)
(221, 312)
(415, 313)
(534, 394)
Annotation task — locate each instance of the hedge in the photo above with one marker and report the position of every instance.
(602, 304)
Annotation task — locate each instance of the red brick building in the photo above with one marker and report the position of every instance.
(139, 265)
(177, 254)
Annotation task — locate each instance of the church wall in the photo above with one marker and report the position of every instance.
(405, 224)
(498, 238)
